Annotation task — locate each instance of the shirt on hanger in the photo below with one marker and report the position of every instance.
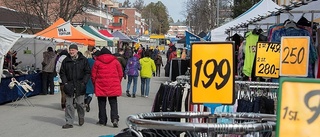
(250, 51)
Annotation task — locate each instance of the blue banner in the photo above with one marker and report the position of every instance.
(190, 38)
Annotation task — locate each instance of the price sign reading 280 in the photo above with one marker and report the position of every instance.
(212, 72)
(298, 113)
(294, 56)
(268, 59)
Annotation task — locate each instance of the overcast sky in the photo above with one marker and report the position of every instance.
(175, 7)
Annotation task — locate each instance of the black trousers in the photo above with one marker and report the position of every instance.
(47, 80)
(102, 101)
(158, 67)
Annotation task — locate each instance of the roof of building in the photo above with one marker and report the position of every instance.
(9, 17)
(177, 24)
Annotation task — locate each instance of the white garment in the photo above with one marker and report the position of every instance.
(58, 66)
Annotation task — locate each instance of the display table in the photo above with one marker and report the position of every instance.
(7, 94)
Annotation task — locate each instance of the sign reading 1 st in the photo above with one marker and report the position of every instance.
(298, 112)
(212, 72)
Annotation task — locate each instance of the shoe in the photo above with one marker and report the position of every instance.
(81, 121)
(66, 126)
(128, 94)
(133, 96)
(51, 93)
(100, 124)
(146, 96)
(115, 123)
(88, 108)
(42, 94)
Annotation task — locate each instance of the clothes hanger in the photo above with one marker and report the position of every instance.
(290, 23)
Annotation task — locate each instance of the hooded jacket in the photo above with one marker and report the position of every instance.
(106, 76)
(147, 67)
(75, 75)
(133, 67)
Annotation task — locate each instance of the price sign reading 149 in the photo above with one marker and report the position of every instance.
(298, 112)
(212, 69)
(268, 59)
(294, 56)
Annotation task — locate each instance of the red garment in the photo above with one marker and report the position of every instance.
(172, 55)
(106, 76)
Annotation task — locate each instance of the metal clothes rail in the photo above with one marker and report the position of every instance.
(144, 120)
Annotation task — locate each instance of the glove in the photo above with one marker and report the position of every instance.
(153, 74)
(125, 76)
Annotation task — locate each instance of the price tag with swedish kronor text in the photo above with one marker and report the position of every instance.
(298, 112)
(268, 59)
(294, 56)
(212, 72)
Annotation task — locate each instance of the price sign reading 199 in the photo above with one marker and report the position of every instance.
(212, 72)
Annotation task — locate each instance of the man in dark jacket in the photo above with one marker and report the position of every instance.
(122, 60)
(74, 73)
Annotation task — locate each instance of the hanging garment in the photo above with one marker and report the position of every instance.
(250, 51)
(276, 37)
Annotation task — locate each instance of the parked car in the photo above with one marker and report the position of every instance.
(144, 38)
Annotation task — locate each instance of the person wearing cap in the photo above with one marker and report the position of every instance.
(106, 77)
(48, 71)
(74, 73)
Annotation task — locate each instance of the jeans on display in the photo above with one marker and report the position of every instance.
(134, 88)
(145, 86)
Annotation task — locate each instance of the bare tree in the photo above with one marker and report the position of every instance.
(46, 11)
(200, 15)
(138, 4)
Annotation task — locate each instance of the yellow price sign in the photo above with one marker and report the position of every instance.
(212, 72)
(298, 113)
(268, 59)
(294, 56)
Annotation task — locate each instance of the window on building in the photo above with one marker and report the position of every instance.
(120, 21)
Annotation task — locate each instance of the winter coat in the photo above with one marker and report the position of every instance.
(106, 76)
(122, 60)
(58, 66)
(90, 88)
(147, 67)
(133, 67)
(49, 61)
(158, 60)
(75, 75)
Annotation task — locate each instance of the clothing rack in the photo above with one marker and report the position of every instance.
(265, 87)
(143, 120)
(256, 83)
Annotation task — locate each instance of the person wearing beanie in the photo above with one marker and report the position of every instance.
(48, 73)
(74, 73)
(106, 78)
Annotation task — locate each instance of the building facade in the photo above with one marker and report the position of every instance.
(177, 29)
(134, 24)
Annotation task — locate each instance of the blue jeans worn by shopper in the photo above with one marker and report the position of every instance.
(135, 79)
(145, 86)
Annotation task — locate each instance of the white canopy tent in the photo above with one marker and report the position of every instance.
(309, 11)
(262, 8)
(29, 47)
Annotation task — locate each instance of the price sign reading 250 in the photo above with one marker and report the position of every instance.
(212, 72)
(294, 54)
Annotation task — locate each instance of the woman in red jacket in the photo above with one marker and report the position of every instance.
(106, 77)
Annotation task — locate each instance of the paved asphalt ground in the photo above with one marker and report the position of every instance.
(46, 118)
